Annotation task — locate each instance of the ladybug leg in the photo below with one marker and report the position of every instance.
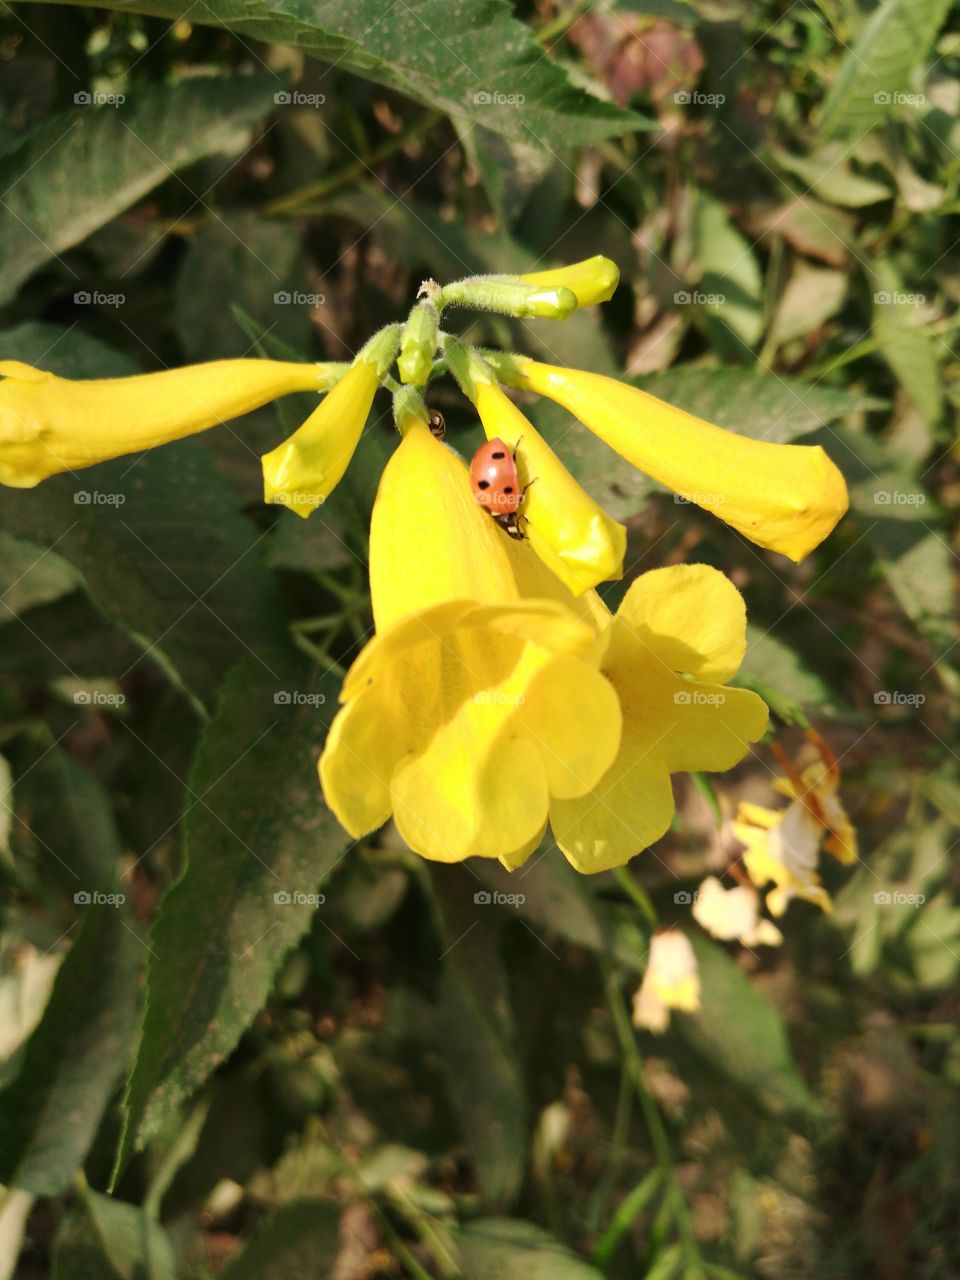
(523, 491)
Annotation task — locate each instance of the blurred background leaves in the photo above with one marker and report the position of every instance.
(317, 1057)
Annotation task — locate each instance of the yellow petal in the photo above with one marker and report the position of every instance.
(303, 471)
(592, 280)
(690, 617)
(785, 497)
(50, 424)
(564, 697)
(429, 540)
(574, 537)
(517, 857)
(629, 808)
(358, 761)
(464, 715)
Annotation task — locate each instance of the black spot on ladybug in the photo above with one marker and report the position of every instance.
(508, 488)
(483, 484)
(499, 454)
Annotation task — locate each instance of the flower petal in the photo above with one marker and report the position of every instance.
(782, 496)
(592, 280)
(629, 808)
(358, 761)
(476, 791)
(429, 540)
(564, 697)
(303, 471)
(690, 617)
(50, 424)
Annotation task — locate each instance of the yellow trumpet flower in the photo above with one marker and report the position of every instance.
(479, 699)
(50, 424)
(677, 638)
(303, 471)
(782, 496)
(592, 280)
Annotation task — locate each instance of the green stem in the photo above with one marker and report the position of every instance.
(637, 895)
(655, 1127)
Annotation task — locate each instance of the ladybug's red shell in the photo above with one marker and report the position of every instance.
(493, 475)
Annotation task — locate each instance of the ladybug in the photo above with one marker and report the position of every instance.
(496, 485)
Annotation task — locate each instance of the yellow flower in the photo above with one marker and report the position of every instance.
(50, 424)
(479, 698)
(572, 535)
(671, 981)
(782, 496)
(783, 848)
(734, 914)
(303, 471)
(592, 280)
(677, 638)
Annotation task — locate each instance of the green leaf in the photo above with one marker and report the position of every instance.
(902, 524)
(509, 1249)
(257, 265)
(478, 1036)
(905, 339)
(763, 406)
(300, 1242)
(31, 575)
(828, 175)
(730, 282)
(470, 59)
(877, 66)
(82, 168)
(195, 614)
(776, 672)
(255, 827)
(741, 1033)
(811, 297)
(50, 1112)
(106, 1239)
